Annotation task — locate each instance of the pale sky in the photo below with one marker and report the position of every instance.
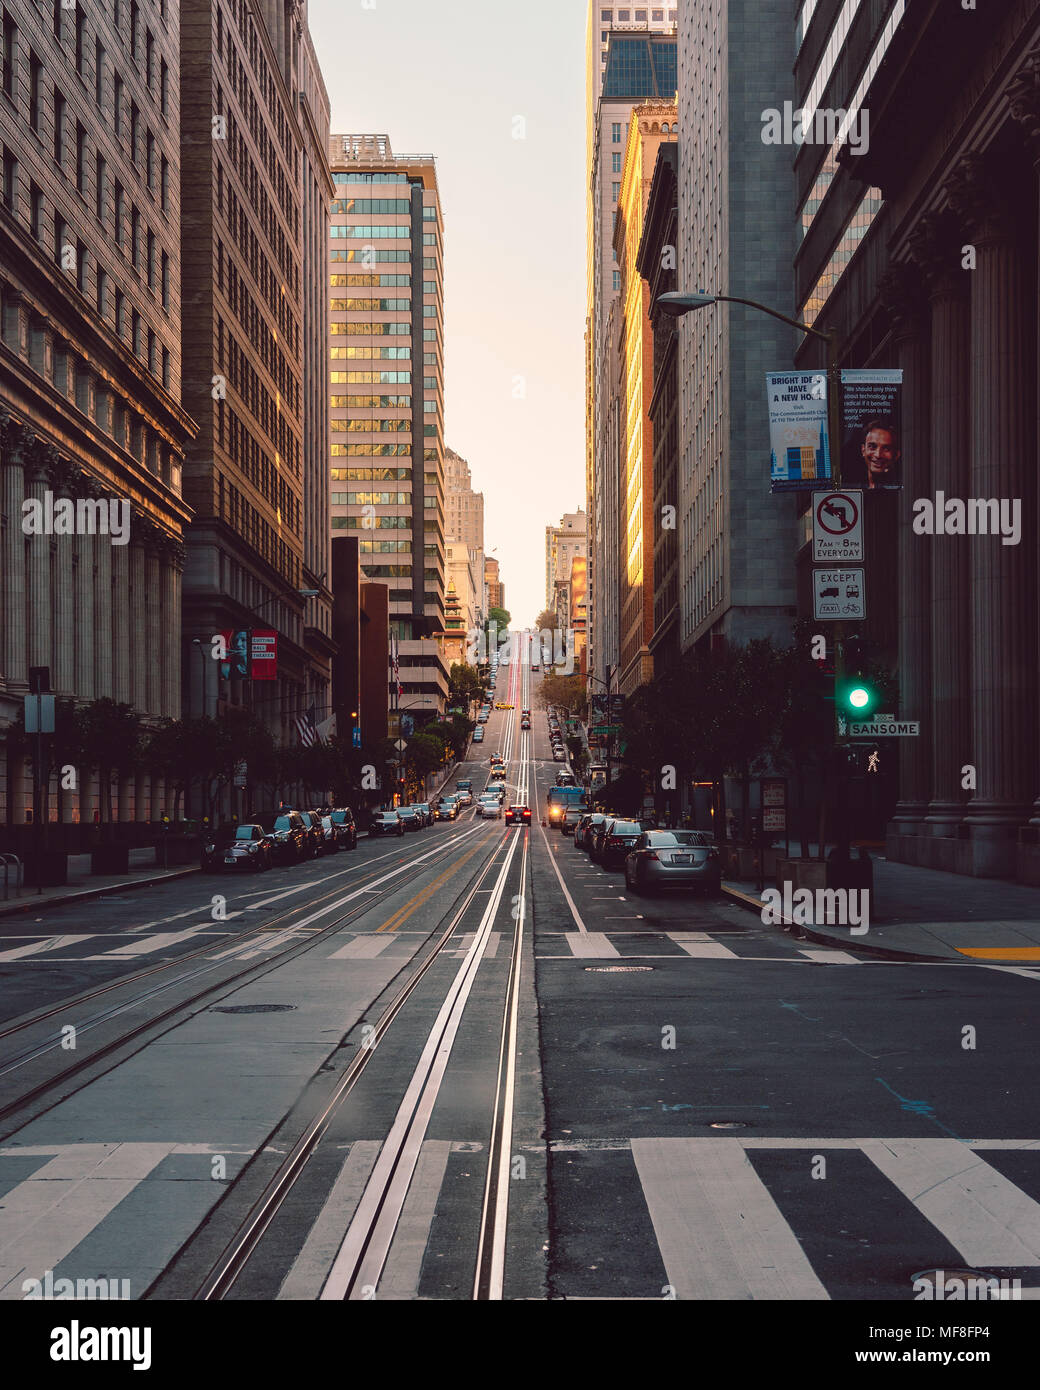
(456, 78)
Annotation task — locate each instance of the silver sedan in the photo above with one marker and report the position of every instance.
(673, 859)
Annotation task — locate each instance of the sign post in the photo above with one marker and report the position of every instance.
(39, 720)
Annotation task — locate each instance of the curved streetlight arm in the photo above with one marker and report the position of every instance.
(775, 313)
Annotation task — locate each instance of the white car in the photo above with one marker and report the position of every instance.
(489, 808)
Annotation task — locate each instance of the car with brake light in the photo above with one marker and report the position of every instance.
(673, 859)
(518, 815)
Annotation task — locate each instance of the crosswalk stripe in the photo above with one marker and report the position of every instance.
(701, 946)
(50, 943)
(403, 1267)
(593, 945)
(490, 951)
(45, 1217)
(720, 1233)
(362, 948)
(148, 945)
(312, 1264)
(979, 1211)
(829, 957)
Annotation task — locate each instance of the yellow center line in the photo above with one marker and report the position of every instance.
(403, 913)
(1002, 952)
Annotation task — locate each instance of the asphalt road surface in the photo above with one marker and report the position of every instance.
(468, 1064)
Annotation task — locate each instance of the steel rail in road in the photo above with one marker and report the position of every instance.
(227, 983)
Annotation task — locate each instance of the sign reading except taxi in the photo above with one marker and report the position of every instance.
(839, 593)
(838, 527)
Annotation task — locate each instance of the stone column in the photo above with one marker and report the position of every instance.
(1024, 101)
(64, 481)
(154, 638)
(121, 624)
(103, 616)
(1004, 638)
(901, 295)
(38, 479)
(937, 244)
(16, 442)
(84, 637)
(138, 647)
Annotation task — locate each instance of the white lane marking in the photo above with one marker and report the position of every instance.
(720, 1233)
(45, 1217)
(827, 957)
(308, 1270)
(981, 1213)
(400, 1278)
(594, 945)
(359, 1261)
(704, 950)
(582, 929)
(50, 943)
(362, 948)
(467, 941)
(149, 944)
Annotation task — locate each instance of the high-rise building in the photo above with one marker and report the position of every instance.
(493, 586)
(90, 376)
(244, 340)
(630, 57)
(562, 544)
(736, 235)
(464, 601)
(465, 522)
(385, 265)
(652, 124)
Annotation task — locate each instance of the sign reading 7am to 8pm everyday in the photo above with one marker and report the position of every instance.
(838, 527)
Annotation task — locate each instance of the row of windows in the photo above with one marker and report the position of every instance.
(389, 232)
(370, 306)
(371, 475)
(346, 176)
(371, 499)
(371, 450)
(370, 281)
(371, 207)
(370, 330)
(369, 255)
(247, 241)
(392, 353)
(370, 403)
(370, 378)
(373, 547)
(256, 466)
(371, 426)
(376, 523)
(243, 518)
(243, 378)
(246, 309)
(657, 17)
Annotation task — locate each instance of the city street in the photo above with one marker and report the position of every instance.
(469, 1064)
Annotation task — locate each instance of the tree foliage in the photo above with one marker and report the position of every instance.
(568, 691)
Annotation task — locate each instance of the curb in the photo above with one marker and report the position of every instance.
(27, 904)
(755, 905)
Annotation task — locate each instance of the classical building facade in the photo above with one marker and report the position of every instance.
(90, 373)
(922, 252)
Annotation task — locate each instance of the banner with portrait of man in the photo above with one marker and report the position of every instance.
(872, 429)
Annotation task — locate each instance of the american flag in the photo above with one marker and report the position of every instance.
(305, 728)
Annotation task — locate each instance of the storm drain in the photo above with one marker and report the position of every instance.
(255, 1009)
(616, 969)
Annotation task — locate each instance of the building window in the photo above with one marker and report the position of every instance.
(59, 238)
(35, 211)
(615, 132)
(165, 280)
(135, 236)
(102, 294)
(624, 16)
(135, 27)
(135, 332)
(59, 126)
(81, 267)
(8, 54)
(615, 276)
(120, 213)
(615, 189)
(149, 55)
(164, 183)
(151, 352)
(120, 314)
(166, 368)
(34, 92)
(150, 259)
(81, 158)
(149, 158)
(10, 180)
(58, 16)
(100, 186)
(117, 105)
(615, 162)
(99, 72)
(80, 35)
(164, 87)
(658, 16)
(135, 121)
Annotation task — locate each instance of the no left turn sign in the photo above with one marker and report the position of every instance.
(838, 527)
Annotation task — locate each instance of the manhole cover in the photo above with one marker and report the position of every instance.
(728, 1124)
(617, 969)
(255, 1009)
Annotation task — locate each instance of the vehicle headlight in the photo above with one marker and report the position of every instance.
(210, 848)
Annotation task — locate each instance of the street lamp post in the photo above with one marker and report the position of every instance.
(611, 672)
(677, 303)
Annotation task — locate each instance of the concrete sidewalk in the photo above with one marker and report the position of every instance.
(82, 887)
(926, 914)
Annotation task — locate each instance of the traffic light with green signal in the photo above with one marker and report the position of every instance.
(856, 695)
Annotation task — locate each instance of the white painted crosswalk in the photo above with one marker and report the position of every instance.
(722, 1225)
(683, 945)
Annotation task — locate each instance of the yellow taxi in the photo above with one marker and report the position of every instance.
(500, 705)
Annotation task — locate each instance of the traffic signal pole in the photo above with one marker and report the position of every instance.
(839, 752)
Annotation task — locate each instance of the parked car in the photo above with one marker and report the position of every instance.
(673, 859)
(559, 755)
(583, 831)
(518, 815)
(411, 817)
(386, 823)
(346, 827)
(478, 735)
(290, 838)
(426, 811)
(482, 718)
(249, 848)
(312, 819)
(619, 839)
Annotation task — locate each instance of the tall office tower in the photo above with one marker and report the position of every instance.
(630, 57)
(562, 544)
(496, 590)
(464, 601)
(90, 372)
(387, 354)
(241, 251)
(736, 235)
(652, 125)
(465, 519)
(317, 192)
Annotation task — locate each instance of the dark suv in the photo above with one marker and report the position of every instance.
(316, 831)
(290, 838)
(345, 828)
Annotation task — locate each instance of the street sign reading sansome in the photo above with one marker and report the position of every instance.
(886, 728)
(838, 527)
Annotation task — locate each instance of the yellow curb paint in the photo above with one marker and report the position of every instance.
(1002, 952)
